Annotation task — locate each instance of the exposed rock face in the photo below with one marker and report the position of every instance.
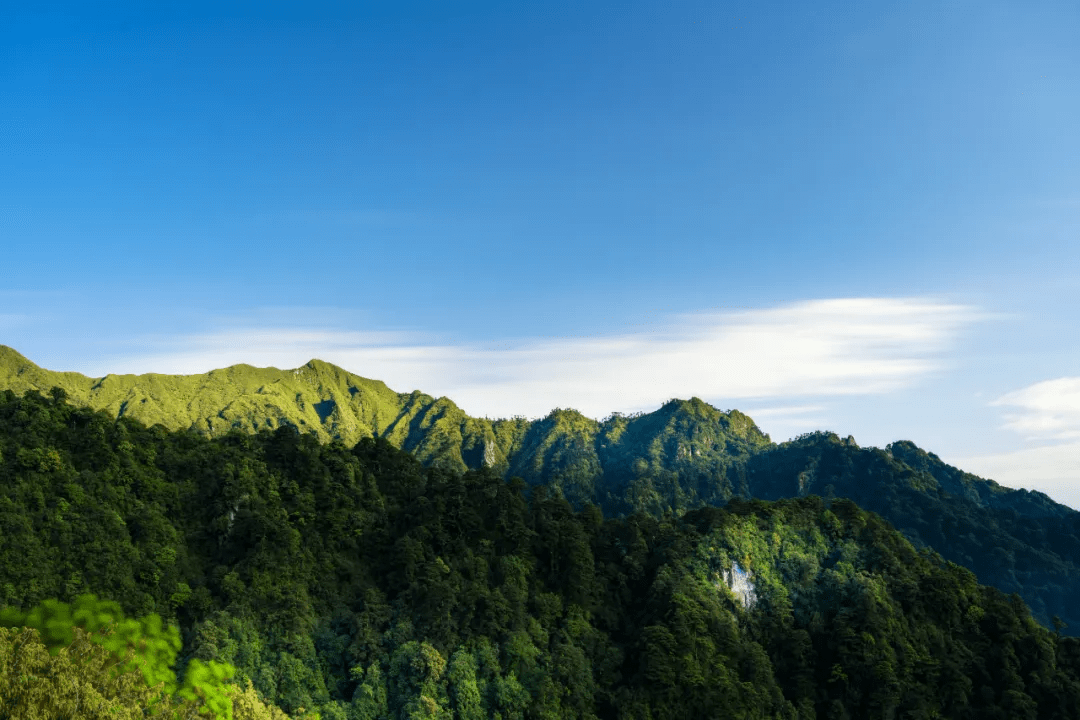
(741, 583)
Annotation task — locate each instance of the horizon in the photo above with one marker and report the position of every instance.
(860, 219)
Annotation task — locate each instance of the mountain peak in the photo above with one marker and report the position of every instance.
(11, 357)
(323, 368)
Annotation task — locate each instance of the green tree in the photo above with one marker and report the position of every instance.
(416, 681)
(465, 690)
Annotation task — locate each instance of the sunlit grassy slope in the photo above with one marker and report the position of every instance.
(565, 448)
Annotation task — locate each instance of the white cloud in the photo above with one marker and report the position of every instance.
(1052, 469)
(785, 422)
(787, 411)
(1046, 410)
(815, 348)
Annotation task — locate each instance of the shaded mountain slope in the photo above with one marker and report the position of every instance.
(1016, 540)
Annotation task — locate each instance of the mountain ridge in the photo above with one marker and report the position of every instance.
(565, 448)
(335, 404)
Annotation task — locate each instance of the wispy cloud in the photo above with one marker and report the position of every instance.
(1046, 414)
(787, 421)
(815, 348)
(1048, 410)
(788, 411)
(1052, 469)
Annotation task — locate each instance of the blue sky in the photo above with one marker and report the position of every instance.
(846, 216)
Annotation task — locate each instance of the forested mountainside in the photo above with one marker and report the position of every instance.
(1015, 540)
(357, 582)
(682, 456)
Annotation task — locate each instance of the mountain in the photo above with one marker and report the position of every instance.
(683, 456)
(317, 398)
(1016, 540)
(357, 583)
(587, 460)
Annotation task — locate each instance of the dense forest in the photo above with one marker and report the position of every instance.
(355, 582)
(683, 456)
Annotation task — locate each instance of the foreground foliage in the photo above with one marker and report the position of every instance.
(356, 583)
(80, 680)
(133, 645)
